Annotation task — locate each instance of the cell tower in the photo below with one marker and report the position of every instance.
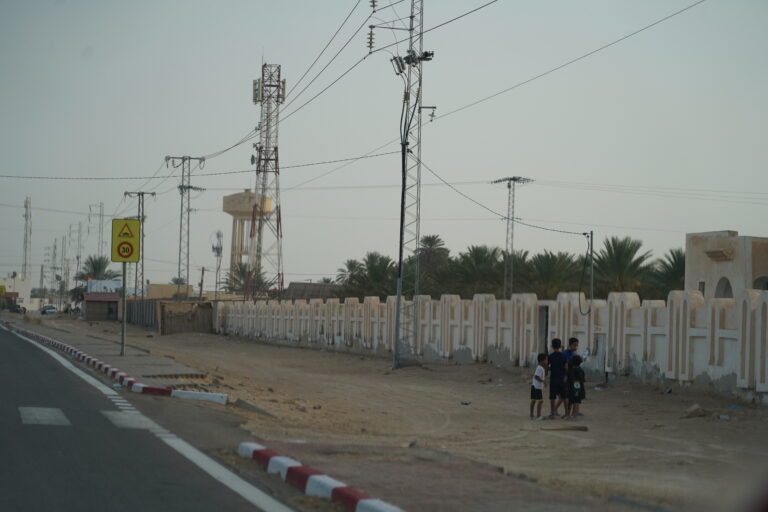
(265, 251)
(26, 266)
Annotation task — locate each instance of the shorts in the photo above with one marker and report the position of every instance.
(536, 394)
(556, 389)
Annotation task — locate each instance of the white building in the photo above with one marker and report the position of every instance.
(19, 288)
(722, 264)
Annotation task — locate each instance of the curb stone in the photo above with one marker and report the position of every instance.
(119, 376)
(312, 482)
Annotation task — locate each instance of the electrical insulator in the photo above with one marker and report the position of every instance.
(373, 4)
(370, 39)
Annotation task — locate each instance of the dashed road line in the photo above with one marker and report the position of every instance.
(43, 416)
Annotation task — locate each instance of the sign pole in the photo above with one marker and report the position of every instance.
(122, 331)
(126, 247)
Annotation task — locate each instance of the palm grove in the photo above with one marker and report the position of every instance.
(620, 264)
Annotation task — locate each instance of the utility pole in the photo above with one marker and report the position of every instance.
(185, 162)
(510, 248)
(93, 209)
(265, 253)
(26, 267)
(79, 246)
(64, 270)
(409, 68)
(139, 274)
(202, 280)
(217, 251)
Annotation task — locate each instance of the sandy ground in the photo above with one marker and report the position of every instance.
(638, 447)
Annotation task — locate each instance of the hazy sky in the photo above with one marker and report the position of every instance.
(659, 135)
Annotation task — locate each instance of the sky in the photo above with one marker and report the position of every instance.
(660, 134)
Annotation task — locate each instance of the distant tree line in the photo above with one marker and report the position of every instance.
(620, 265)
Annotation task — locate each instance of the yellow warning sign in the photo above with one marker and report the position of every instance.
(126, 238)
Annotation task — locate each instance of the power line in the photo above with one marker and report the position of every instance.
(248, 136)
(467, 13)
(173, 171)
(344, 46)
(500, 215)
(572, 61)
(354, 7)
(519, 84)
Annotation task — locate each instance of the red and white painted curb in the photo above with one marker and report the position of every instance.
(121, 377)
(312, 482)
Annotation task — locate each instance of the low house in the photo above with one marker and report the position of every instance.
(101, 306)
(303, 290)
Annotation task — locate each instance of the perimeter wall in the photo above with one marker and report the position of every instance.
(721, 344)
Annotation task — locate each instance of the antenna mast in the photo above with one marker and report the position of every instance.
(265, 253)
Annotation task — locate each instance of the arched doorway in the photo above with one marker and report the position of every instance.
(723, 289)
(761, 283)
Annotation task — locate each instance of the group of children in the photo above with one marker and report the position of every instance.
(566, 381)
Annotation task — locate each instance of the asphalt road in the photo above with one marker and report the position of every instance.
(68, 445)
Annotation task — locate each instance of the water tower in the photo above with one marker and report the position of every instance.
(241, 207)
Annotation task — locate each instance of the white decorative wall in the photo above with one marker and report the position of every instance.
(717, 342)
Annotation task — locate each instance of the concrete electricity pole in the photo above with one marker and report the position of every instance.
(510, 248)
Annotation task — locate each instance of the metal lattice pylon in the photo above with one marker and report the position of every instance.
(184, 190)
(410, 67)
(265, 253)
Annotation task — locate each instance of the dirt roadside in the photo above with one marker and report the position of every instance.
(638, 448)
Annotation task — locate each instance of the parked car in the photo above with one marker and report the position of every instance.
(48, 310)
(17, 308)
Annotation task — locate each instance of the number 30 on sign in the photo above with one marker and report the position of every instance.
(126, 239)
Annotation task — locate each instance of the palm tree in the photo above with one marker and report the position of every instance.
(237, 278)
(379, 276)
(97, 268)
(479, 270)
(434, 261)
(373, 277)
(668, 273)
(552, 272)
(521, 272)
(347, 273)
(619, 266)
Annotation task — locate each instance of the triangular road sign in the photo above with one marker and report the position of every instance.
(125, 232)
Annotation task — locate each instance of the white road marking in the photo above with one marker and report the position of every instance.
(43, 416)
(250, 493)
(122, 419)
(226, 477)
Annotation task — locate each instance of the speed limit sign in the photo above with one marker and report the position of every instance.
(126, 237)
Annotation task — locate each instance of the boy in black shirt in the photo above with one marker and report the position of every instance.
(556, 378)
(575, 385)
